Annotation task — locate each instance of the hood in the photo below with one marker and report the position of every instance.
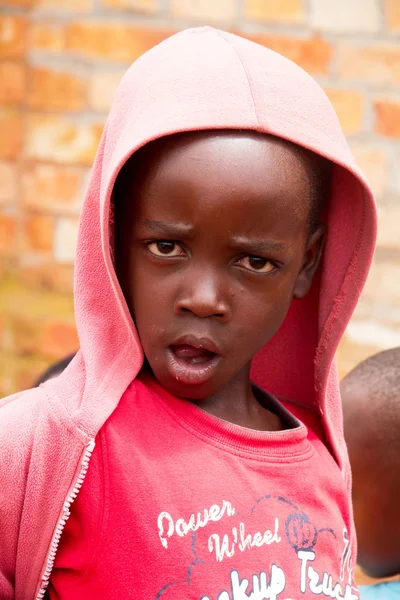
(207, 79)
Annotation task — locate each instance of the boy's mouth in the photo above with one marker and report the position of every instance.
(194, 356)
(192, 363)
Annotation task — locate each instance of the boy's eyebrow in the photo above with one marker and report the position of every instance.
(185, 229)
(177, 229)
(258, 245)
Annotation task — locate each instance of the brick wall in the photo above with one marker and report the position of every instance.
(60, 62)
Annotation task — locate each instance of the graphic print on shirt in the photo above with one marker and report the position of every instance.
(286, 560)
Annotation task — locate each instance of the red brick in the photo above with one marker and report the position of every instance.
(25, 335)
(2, 332)
(7, 371)
(285, 11)
(349, 106)
(62, 5)
(8, 183)
(38, 233)
(17, 3)
(49, 276)
(12, 36)
(58, 339)
(387, 118)
(350, 353)
(114, 42)
(373, 64)
(383, 285)
(394, 181)
(58, 139)
(11, 127)
(52, 188)
(3, 386)
(65, 237)
(141, 6)
(3, 267)
(28, 370)
(374, 165)
(392, 12)
(312, 54)
(102, 86)
(8, 235)
(12, 82)
(46, 36)
(345, 16)
(388, 230)
(206, 10)
(55, 91)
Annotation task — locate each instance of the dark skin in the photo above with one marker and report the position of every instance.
(371, 431)
(375, 502)
(213, 243)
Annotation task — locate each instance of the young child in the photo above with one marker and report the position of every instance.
(193, 448)
(371, 405)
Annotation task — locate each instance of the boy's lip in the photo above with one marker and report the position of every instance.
(188, 372)
(203, 342)
(191, 368)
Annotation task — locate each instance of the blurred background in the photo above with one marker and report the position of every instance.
(60, 62)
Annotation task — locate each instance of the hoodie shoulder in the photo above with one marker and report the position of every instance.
(20, 414)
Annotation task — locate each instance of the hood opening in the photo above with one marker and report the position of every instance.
(206, 79)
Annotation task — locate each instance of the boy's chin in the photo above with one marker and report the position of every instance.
(198, 380)
(193, 392)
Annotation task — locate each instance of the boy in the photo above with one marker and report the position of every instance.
(371, 399)
(198, 255)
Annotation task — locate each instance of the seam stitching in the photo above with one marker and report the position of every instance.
(298, 456)
(245, 74)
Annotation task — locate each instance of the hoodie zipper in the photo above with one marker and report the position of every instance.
(63, 519)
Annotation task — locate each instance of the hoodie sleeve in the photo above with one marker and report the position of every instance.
(41, 449)
(17, 425)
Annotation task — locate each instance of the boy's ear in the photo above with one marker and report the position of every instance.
(312, 256)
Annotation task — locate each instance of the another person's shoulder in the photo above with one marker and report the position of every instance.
(388, 590)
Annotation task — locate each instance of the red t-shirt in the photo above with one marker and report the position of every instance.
(178, 505)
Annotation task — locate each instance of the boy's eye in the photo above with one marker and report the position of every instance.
(256, 263)
(165, 248)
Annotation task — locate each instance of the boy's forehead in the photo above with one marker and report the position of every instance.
(220, 144)
(236, 158)
(229, 184)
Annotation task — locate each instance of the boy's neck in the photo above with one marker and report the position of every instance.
(236, 403)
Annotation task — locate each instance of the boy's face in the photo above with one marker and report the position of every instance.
(212, 245)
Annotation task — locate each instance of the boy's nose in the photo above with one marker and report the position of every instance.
(204, 297)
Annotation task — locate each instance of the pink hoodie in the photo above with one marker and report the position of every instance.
(197, 79)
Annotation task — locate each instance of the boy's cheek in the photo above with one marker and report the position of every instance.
(149, 309)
